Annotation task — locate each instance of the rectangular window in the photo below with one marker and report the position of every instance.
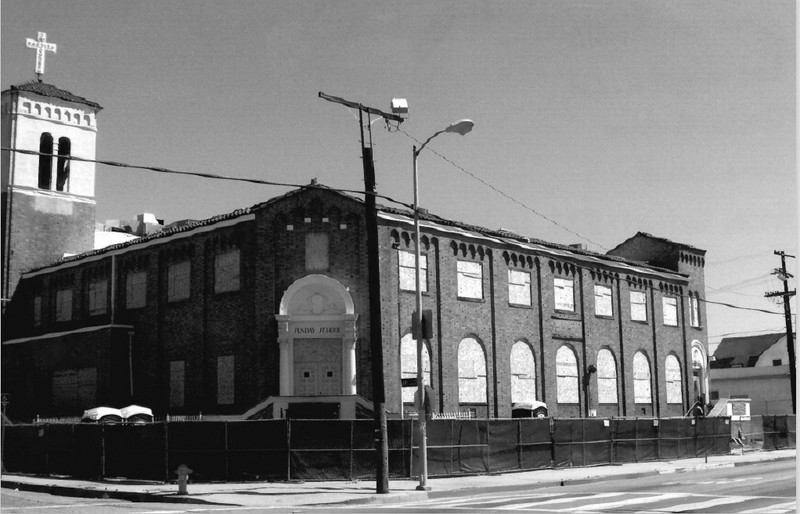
(470, 280)
(670, 304)
(177, 382)
(777, 362)
(178, 281)
(519, 287)
(98, 297)
(226, 271)
(602, 301)
(714, 396)
(408, 271)
(37, 311)
(225, 380)
(564, 294)
(317, 251)
(64, 304)
(694, 312)
(638, 306)
(136, 289)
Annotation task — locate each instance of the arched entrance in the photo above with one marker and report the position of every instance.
(699, 372)
(317, 338)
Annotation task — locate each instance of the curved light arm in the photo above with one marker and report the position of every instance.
(460, 127)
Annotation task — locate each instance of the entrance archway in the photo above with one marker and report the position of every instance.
(317, 338)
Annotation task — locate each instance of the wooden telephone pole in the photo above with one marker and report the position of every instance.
(782, 274)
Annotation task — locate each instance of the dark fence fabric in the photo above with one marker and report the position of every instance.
(345, 449)
(779, 431)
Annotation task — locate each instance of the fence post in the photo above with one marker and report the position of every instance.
(288, 448)
(351, 422)
(166, 450)
(519, 444)
(227, 464)
(102, 451)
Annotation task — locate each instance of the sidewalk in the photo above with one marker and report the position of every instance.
(289, 494)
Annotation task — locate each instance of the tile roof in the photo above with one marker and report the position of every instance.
(475, 229)
(45, 89)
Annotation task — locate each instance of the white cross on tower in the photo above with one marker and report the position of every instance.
(41, 45)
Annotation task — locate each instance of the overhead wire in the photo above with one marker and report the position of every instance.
(214, 176)
(500, 192)
(207, 175)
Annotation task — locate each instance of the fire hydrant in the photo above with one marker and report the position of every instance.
(183, 473)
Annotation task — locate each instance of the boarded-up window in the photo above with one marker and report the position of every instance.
(563, 290)
(641, 379)
(178, 281)
(136, 289)
(602, 301)
(519, 287)
(470, 280)
(177, 383)
(471, 372)
(408, 271)
(566, 375)
(672, 368)
(408, 365)
(670, 304)
(317, 251)
(98, 297)
(694, 304)
(523, 373)
(64, 304)
(225, 380)
(226, 271)
(638, 306)
(606, 377)
(37, 311)
(75, 389)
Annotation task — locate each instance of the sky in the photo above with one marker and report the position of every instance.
(594, 120)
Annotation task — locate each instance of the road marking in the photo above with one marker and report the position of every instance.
(98, 504)
(631, 501)
(778, 508)
(519, 506)
(704, 505)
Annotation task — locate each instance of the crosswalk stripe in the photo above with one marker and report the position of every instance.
(704, 505)
(519, 506)
(484, 499)
(777, 508)
(630, 501)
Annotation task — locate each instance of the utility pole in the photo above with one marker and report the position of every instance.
(373, 263)
(782, 274)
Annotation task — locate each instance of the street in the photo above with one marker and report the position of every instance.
(766, 487)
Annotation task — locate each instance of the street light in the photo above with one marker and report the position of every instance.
(460, 127)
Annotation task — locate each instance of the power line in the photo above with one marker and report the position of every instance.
(502, 193)
(352, 191)
(206, 175)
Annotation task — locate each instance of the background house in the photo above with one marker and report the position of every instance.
(755, 367)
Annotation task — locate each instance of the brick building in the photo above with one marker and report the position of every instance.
(272, 302)
(265, 310)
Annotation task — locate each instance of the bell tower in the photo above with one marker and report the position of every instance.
(48, 199)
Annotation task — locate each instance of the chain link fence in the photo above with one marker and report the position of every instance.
(345, 449)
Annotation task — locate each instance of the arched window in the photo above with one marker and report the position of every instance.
(641, 379)
(523, 373)
(45, 160)
(606, 377)
(62, 174)
(408, 365)
(566, 375)
(672, 369)
(471, 372)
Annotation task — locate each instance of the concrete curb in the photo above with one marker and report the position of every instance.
(78, 492)
(375, 498)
